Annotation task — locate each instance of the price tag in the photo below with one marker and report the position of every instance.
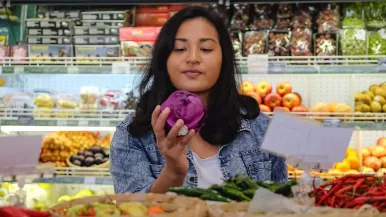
(277, 68)
(120, 68)
(17, 70)
(360, 34)
(88, 180)
(257, 64)
(72, 70)
(26, 120)
(382, 33)
(382, 64)
(311, 145)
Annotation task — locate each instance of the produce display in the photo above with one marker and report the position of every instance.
(353, 16)
(57, 147)
(329, 19)
(186, 106)
(93, 156)
(374, 157)
(371, 100)
(301, 42)
(278, 43)
(254, 43)
(238, 188)
(353, 191)
(374, 14)
(326, 44)
(262, 17)
(328, 109)
(240, 17)
(353, 42)
(284, 99)
(377, 42)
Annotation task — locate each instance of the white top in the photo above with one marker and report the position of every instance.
(208, 171)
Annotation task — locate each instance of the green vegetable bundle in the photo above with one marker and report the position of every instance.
(374, 14)
(377, 43)
(353, 42)
(239, 188)
(353, 17)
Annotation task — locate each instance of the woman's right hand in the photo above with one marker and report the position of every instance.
(172, 146)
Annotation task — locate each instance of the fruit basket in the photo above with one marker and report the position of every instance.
(240, 209)
(133, 205)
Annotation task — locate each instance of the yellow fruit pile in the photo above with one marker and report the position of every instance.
(371, 100)
(57, 147)
(350, 164)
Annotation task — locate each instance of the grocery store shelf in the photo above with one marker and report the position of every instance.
(30, 120)
(131, 65)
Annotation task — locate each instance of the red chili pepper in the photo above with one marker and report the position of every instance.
(12, 211)
(335, 188)
(91, 211)
(33, 213)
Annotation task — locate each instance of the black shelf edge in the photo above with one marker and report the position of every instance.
(106, 2)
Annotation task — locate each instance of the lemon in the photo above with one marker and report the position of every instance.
(2, 82)
(353, 161)
(343, 166)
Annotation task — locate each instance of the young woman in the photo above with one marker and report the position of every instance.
(193, 52)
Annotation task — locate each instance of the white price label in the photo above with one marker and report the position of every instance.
(360, 34)
(72, 70)
(18, 70)
(1, 70)
(120, 68)
(88, 180)
(83, 123)
(257, 64)
(382, 33)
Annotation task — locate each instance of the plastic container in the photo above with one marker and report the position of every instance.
(328, 19)
(353, 15)
(240, 18)
(278, 43)
(254, 42)
(326, 44)
(353, 42)
(301, 42)
(262, 17)
(377, 42)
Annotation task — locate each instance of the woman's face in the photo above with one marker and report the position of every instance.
(194, 64)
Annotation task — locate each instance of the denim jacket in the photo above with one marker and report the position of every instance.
(136, 162)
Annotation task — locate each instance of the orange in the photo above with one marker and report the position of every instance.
(290, 168)
(353, 161)
(343, 166)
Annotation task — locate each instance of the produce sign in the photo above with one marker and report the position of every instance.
(353, 191)
(239, 188)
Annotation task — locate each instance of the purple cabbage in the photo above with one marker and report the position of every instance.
(186, 106)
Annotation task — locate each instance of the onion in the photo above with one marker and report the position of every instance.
(186, 106)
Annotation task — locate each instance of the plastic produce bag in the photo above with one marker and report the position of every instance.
(236, 38)
(254, 42)
(67, 101)
(353, 16)
(240, 18)
(377, 42)
(44, 99)
(301, 42)
(375, 14)
(88, 97)
(325, 44)
(353, 42)
(279, 42)
(302, 19)
(329, 19)
(261, 17)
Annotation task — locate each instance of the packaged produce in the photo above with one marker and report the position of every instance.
(137, 41)
(283, 23)
(240, 18)
(284, 11)
(59, 15)
(302, 19)
(47, 53)
(254, 43)
(261, 17)
(45, 100)
(377, 42)
(96, 40)
(4, 52)
(236, 38)
(80, 30)
(49, 23)
(353, 16)
(111, 99)
(49, 32)
(301, 42)
(103, 15)
(100, 23)
(353, 42)
(136, 49)
(326, 44)
(19, 52)
(97, 52)
(19, 101)
(375, 14)
(66, 101)
(49, 40)
(89, 94)
(279, 42)
(329, 19)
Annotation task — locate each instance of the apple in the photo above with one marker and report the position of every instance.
(281, 109)
(291, 100)
(273, 100)
(300, 108)
(300, 97)
(264, 108)
(263, 88)
(246, 87)
(382, 142)
(254, 95)
(283, 88)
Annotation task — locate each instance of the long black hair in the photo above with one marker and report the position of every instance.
(224, 105)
